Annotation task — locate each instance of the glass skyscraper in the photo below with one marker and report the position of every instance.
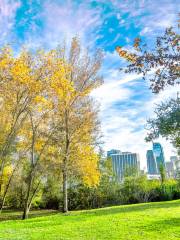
(122, 161)
(159, 155)
(151, 163)
(155, 158)
(113, 151)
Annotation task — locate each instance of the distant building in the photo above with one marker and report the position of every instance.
(113, 151)
(159, 155)
(170, 170)
(176, 164)
(155, 158)
(142, 172)
(151, 163)
(121, 161)
(173, 158)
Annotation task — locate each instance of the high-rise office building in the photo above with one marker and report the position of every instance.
(159, 155)
(176, 165)
(113, 151)
(151, 163)
(155, 158)
(170, 171)
(176, 162)
(173, 158)
(122, 161)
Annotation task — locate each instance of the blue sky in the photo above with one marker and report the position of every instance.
(126, 101)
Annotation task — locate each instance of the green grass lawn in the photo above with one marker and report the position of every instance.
(151, 221)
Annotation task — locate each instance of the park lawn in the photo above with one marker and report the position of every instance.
(150, 221)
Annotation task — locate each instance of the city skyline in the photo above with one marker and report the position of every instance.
(156, 154)
(122, 162)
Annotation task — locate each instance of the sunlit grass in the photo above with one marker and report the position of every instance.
(152, 221)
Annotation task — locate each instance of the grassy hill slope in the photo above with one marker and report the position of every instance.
(151, 221)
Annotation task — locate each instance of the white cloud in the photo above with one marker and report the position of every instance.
(118, 16)
(7, 19)
(116, 38)
(146, 30)
(122, 21)
(64, 20)
(123, 125)
(169, 92)
(153, 16)
(113, 91)
(109, 94)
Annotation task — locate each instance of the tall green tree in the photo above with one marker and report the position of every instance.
(166, 122)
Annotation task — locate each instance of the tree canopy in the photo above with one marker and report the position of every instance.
(166, 122)
(160, 64)
(48, 118)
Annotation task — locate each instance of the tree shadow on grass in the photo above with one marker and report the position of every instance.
(17, 215)
(173, 222)
(166, 225)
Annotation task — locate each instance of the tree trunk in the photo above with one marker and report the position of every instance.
(26, 205)
(25, 212)
(65, 191)
(65, 194)
(7, 188)
(4, 196)
(1, 172)
(30, 180)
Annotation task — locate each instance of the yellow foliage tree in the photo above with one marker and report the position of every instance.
(14, 100)
(76, 119)
(48, 115)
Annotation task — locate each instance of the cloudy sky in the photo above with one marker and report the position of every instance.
(126, 101)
